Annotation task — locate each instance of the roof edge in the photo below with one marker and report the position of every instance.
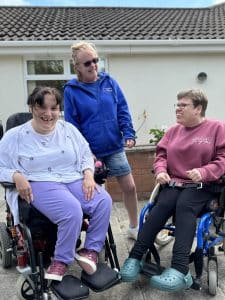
(113, 46)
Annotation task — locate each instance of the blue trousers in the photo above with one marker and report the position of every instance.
(64, 205)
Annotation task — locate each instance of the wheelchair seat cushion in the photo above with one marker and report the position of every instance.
(41, 228)
(102, 279)
(70, 288)
(31, 217)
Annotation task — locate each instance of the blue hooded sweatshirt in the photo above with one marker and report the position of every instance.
(101, 114)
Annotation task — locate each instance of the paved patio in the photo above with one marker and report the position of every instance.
(137, 291)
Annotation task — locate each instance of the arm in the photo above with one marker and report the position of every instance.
(215, 168)
(9, 167)
(70, 111)
(160, 162)
(85, 163)
(8, 156)
(23, 186)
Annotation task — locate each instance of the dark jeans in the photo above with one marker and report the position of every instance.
(187, 204)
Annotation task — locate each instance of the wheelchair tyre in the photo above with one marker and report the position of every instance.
(5, 245)
(23, 288)
(163, 238)
(25, 291)
(212, 277)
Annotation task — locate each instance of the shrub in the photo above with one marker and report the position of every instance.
(156, 135)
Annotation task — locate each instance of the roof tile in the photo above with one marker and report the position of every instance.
(111, 23)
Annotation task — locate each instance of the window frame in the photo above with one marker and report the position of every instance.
(66, 67)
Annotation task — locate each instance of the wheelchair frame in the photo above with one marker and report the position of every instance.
(33, 285)
(206, 242)
(31, 263)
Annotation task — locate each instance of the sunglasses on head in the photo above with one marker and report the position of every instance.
(89, 62)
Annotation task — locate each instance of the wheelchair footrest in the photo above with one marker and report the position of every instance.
(104, 278)
(70, 288)
(150, 269)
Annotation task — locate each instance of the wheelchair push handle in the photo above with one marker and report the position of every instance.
(98, 164)
(101, 172)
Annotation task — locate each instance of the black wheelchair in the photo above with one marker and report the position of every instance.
(33, 245)
(209, 234)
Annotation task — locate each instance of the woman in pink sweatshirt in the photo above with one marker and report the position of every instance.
(189, 157)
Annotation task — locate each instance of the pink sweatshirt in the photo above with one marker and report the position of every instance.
(185, 148)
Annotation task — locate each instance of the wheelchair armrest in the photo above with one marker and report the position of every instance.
(8, 185)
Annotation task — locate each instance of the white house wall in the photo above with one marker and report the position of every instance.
(12, 91)
(151, 83)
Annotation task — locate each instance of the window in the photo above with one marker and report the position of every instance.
(54, 72)
(37, 67)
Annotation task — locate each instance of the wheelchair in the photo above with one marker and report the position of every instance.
(210, 233)
(32, 244)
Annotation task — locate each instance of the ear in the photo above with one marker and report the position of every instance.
(199, 109)
(30, 109)
(79, 75)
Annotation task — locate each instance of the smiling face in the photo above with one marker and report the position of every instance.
(87, 66)
(187, 114)
(46, 115)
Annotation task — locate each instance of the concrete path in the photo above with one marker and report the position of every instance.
(140, 290)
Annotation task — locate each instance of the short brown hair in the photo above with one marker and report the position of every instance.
(197, 97)
(38, 94)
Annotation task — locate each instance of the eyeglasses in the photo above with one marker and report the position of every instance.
(89, 62)
(182, 105)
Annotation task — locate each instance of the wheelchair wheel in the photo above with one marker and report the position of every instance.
(163, 238)
(5, 245)
(154, 193)
(212, 277)
(24, 290)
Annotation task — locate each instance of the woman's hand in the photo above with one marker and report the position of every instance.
(89, 185)
(130, 143)
(194, 175)
(23, 187)
(163, 178)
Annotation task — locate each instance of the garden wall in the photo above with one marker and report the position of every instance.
(141, 160)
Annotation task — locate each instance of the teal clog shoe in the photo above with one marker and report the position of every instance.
(171, 280)
(130, 270)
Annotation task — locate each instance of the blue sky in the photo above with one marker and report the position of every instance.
(118, 3)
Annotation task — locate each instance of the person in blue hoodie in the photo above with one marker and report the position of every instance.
(96, 105)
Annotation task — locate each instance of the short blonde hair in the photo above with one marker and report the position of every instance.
(81, 46)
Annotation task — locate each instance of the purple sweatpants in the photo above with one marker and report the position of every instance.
(64, 204)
